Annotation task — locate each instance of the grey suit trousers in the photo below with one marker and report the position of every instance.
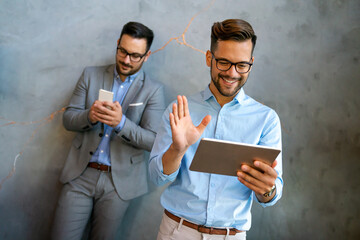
(90, 197)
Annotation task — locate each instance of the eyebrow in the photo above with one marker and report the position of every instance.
(129, 52)
(233, 62)
(221, 58)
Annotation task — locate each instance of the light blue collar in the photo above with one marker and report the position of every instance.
(240, 97)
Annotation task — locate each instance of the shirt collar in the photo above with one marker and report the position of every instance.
(240, 97)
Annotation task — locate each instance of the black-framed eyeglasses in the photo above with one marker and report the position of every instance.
(134, 57)
(224, 65)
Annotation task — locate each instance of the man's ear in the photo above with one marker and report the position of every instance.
(252, 61)
(208, 58)
(147, 56)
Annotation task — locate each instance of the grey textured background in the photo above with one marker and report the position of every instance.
(306, 68)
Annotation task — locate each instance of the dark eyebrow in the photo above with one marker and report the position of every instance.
(224, 59)
(129, 52)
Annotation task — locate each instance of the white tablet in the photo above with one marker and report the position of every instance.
(226, 157)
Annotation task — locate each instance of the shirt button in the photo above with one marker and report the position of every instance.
(122, 86)
(101, 151)
(107, 135)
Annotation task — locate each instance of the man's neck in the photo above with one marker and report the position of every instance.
(221, 99)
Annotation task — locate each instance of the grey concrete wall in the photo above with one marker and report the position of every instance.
(306, 68)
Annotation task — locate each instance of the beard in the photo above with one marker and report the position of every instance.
(222, 90)
(131, 69)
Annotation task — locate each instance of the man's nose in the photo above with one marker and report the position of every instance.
(127, 59)
(232, 71)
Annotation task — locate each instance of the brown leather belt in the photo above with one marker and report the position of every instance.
(100, 167)
(201, 228)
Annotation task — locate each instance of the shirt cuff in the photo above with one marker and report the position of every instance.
(120, 126)
(171, 177)
(277, 196)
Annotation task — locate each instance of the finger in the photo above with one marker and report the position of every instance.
(175, 113)
(96, 106)
(117, 105)
(109, 105)
(103, 117)
(251, 182)
(251, 186)
(97, 102)
(206, 120)
(274, 164)
(109, 108)
(106, 121)
(265, 168)
(252, 172)
(172, 121)
(264, 180)
(186, 107)
(181, 106)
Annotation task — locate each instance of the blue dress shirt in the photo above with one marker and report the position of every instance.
(102, 153)
(210, 199)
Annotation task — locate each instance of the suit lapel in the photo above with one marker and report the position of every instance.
(133, 90)
(108, 80)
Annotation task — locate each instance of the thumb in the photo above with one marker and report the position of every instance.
(117, 104)
(274, 164)
(204, 123)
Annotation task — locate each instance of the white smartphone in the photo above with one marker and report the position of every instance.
(105, 95)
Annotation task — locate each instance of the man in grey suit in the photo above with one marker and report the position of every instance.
(106, 166)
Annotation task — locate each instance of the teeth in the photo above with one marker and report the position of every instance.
(229, 81)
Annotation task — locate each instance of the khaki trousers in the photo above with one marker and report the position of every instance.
(172, 230)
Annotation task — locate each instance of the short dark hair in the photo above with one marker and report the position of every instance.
(138, 30)
(232, 29)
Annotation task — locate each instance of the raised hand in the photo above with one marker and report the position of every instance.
(184, 134)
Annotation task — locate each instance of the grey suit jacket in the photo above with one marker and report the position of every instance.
(143, 107)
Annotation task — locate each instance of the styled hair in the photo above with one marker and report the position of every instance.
(138, 30)
(232, 29)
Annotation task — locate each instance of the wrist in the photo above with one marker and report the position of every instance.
(271, 192)
(171, 160)
(91, 121)
(268, 196)
(177, 152)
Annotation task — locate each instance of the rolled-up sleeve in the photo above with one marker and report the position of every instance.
(272, 137)
(162, 143)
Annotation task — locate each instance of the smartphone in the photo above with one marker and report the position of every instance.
(105, 95)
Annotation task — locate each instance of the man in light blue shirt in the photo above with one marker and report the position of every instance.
(198, 205)
(106, 166)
